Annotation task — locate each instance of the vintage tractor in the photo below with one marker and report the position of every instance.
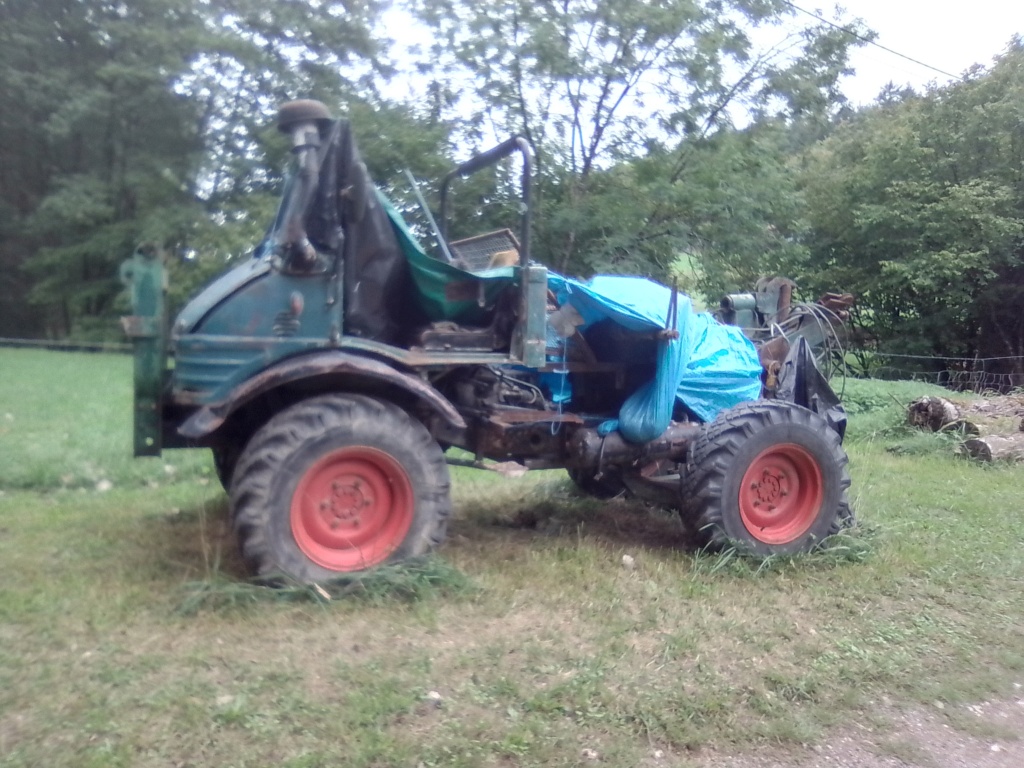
(330, 373)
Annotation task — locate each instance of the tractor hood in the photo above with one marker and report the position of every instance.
(223, 287)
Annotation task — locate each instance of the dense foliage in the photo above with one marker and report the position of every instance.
(918, 205)
(704, 138)
(146, 121)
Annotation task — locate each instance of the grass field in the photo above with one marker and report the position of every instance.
(129, 637)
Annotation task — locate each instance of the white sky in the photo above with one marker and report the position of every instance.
(948, 34)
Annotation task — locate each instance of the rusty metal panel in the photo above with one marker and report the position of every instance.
(516, 416)
(522, 432)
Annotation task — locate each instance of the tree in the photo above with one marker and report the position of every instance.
(739, 200)
(595, 84)
(97, 148)
(917, 205)
(148, 121)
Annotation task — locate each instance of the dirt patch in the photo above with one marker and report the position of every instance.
(995, 415)
(1009, 407)
(618, 522)
(984, 735)
(12, 728)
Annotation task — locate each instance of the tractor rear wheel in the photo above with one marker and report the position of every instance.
(338, 484)
(767, 477)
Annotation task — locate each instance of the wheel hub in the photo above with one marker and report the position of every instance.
(352, 508)
(781, 494)
(344, 505)
(770, 488)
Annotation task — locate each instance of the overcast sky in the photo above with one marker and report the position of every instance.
(948, 34)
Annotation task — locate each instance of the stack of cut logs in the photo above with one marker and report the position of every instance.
(941, 415)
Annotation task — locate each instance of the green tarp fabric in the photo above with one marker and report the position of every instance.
(709, 367)
(445, 291)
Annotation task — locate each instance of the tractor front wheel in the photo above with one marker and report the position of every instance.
(228, 449)
(338, 484)
(767, 477)
(225, 458)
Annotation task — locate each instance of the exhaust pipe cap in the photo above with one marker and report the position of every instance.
(295, 113)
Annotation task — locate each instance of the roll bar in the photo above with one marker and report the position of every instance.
(488, 158)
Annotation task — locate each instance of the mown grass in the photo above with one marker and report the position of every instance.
(63, 418)
(130, 636)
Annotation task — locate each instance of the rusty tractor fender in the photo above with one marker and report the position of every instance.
(328, 369)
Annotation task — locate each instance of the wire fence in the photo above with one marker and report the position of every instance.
(963, 374)
(67, 346)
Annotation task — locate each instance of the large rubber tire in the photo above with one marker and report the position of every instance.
(608, 486)
(335, 485)
(225, 458)
(229, 450)
(767, 477)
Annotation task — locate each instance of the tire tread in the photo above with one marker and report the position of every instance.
(710, 460)
(282, 435)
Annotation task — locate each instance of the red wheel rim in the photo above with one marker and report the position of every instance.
(781, 494)
(352, 509)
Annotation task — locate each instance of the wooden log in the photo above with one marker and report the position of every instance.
(992, 447)
(938, 414)
(932, 412)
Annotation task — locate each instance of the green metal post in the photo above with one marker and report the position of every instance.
(532, 335)
(144, 274)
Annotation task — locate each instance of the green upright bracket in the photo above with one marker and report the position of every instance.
(531, 337)
(144, 275)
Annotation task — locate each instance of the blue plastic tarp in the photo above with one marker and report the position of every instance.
(709, 367)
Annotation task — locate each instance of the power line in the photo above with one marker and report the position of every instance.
(869, 41)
